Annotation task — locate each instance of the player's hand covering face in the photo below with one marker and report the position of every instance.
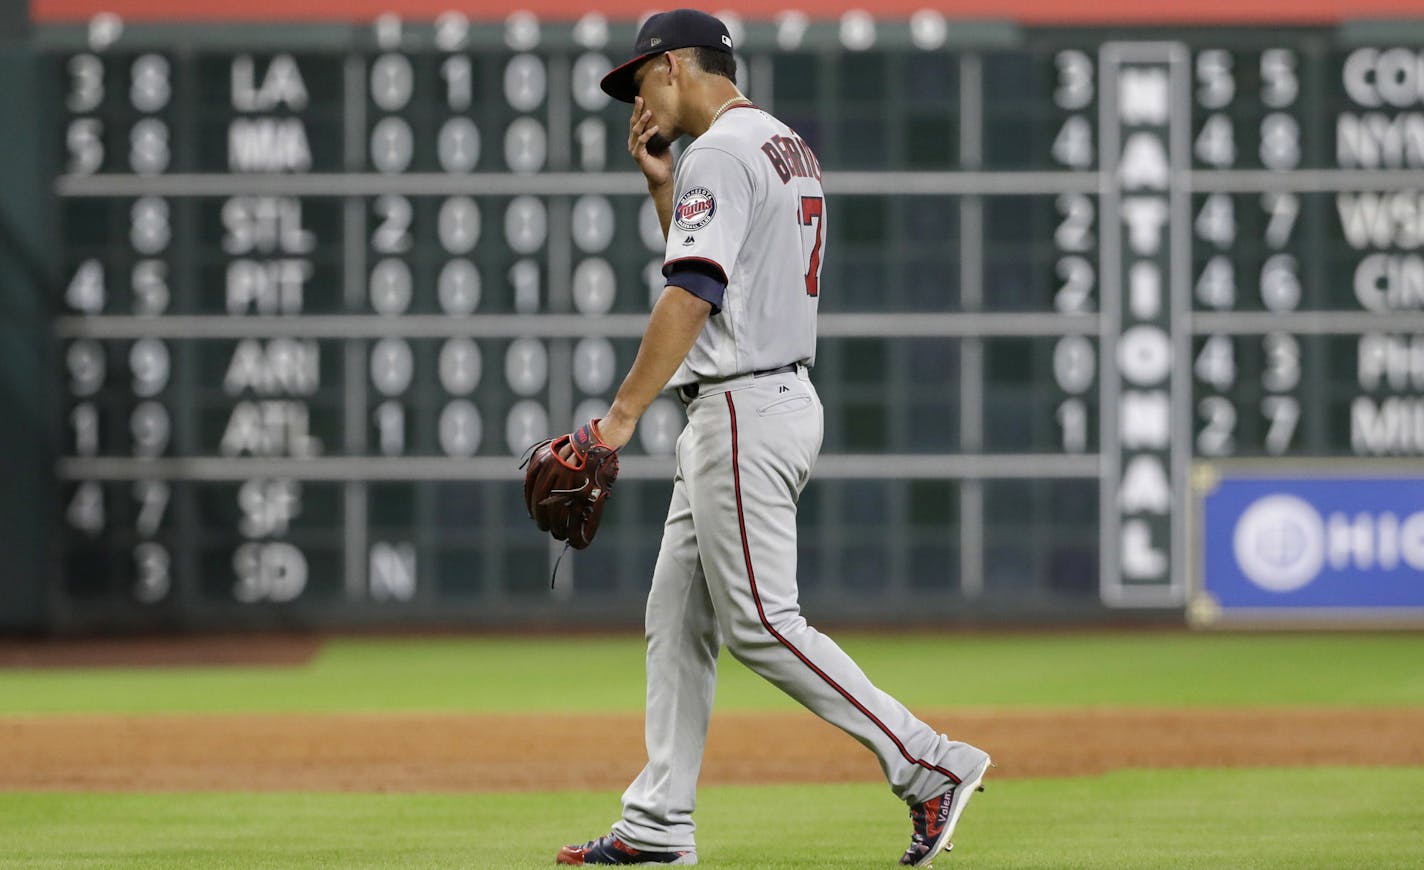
(646, 140)
(649, 149)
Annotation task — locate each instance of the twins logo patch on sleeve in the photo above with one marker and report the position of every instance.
(695, 209)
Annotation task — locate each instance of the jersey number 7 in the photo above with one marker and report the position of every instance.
(811, 210)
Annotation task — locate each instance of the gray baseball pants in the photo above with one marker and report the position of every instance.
(726, 572)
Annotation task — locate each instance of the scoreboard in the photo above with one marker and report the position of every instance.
(323, 283)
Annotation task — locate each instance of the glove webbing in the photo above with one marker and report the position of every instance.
(553, 575)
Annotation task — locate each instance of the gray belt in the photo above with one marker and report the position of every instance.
(690, 391)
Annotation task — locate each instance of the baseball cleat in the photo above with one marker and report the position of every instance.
(608, 849)
(934, 820)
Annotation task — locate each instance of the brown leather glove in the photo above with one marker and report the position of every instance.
(566, 498)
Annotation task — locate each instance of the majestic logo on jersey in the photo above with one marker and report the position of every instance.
(695, 210)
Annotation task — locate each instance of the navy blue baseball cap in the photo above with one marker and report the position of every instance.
(666, 31)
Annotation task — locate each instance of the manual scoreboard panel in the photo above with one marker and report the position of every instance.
(324, 283)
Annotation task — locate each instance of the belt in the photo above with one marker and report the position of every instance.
(690, 391)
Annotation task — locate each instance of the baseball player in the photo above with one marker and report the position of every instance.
(734, 335)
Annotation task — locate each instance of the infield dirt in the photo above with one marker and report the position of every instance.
(466, 753)
(453, 752)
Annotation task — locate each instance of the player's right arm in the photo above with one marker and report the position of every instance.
(657, 168)
(677, 319)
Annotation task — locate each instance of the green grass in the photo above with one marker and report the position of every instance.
(1239, 818)
(923, 670)
(1292, 818)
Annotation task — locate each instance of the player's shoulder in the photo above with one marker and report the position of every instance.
(769, 149)
(716, 157)
(735, 141)
(742, 130)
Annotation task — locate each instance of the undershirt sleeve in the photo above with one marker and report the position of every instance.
(700, 278)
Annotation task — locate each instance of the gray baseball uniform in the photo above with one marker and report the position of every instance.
(749, 209)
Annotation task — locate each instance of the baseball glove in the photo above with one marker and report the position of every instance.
(566, 499)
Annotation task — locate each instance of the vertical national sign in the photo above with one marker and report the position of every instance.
(1144, 261)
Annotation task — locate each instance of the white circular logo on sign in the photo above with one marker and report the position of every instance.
(1280, 543)
(695, 209)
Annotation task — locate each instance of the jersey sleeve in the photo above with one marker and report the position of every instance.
(711, 211)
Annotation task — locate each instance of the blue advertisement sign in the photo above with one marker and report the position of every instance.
(1312, 545)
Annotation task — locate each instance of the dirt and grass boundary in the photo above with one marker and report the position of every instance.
(465, 751)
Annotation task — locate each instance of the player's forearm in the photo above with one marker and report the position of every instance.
(677, 320)
(662, 198)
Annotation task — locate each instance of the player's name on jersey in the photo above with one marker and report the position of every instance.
(791, 157)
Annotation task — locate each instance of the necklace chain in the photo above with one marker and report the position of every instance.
(725, 106)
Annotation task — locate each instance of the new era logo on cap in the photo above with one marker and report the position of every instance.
(727, 40)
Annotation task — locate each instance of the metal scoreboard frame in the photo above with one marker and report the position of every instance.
(1132, 241)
